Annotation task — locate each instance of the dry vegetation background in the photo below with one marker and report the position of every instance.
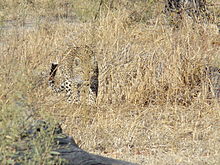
(153, 103)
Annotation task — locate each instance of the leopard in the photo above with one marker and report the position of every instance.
(196, 10)
(190, 6)
(78, 71)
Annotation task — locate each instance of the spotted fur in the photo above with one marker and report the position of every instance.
(78, 72)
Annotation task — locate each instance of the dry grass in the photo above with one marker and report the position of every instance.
(153, 105)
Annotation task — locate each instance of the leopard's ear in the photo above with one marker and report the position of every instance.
(53, 70)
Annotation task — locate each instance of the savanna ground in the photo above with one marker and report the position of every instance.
(153, 105)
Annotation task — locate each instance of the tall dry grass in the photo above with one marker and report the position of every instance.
(152, 64)
(154, 103)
